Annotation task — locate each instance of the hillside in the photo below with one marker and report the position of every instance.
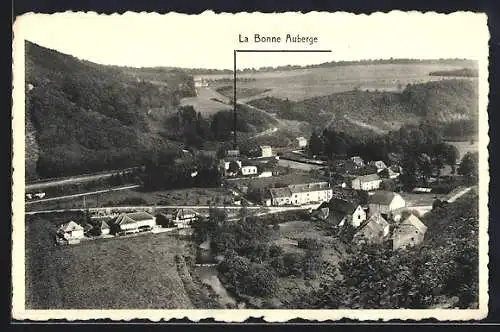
(361, 112)
(83, 117)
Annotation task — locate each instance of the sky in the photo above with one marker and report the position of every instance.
(208, 40)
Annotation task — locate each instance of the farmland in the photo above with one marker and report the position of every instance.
(193, 196)
(300, 84)
(136, 272)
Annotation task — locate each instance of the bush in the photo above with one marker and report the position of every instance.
(309, 243)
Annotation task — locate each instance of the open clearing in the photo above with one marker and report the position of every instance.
(301, 84)
(136, 272)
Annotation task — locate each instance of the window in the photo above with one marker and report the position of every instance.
(359, 217)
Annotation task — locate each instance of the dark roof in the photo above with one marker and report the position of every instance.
(308, 187)
(368, 178)
(382, 197)
(415, 222)
(342, 206)
(280, 192)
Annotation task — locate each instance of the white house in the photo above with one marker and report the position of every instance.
(366, 182)
(358, 161)
(379, 164)
(266, 151)
(249, 170)
(128, 223)
(302, 142)
(71, 232)
(341, 212)
(385, 203)
(278, 196)
(184, 217)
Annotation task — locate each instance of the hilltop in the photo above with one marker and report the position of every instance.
(83, 117)
(362, 112)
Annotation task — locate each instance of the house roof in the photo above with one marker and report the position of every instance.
(379, 220)
(308, 187)
(387, 172)
(300, 138)
(342, 206)
(378, 163)
(130, 218)
(382, 197)
(280, 192)
(415, 222)
(370, 226)
(368, 178)
(356, 159)
(265, 147)
(70, 226)
(103, 225)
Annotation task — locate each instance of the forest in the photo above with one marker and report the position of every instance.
(88, 117)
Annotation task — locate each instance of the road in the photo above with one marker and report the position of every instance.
(298, 165)
(38, 185)
(82, 194)
(270, 209)
(459, 194)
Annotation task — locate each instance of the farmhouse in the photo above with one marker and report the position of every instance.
(310, 193)
(248, 169)
(379, 164)
(302, 142)
(70, 232)
(340, 212)
(366, 182)
(266, 151)
(373, 231)
(385, 203)
(184, 217)
(102, 228)
(129, 223)
(358, 161)
(299, 194)
(278, 196)
(410, 232)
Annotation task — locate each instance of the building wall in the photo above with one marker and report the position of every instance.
(406, 238)
(104, 231)
(320, 196)
(266, 152)
(358, 217)
(249, 170)
(281, 201)
(397, 203)
(367, 236)
(76, 234)
(148, 222)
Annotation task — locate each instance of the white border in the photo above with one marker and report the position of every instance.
(19, 311)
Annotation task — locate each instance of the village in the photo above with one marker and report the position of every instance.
(346, 193)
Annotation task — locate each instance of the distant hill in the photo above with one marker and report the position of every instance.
(83, 117)
(359, 112)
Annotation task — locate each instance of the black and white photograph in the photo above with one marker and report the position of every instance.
(230, 166)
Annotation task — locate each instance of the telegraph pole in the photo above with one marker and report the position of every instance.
(235, 144)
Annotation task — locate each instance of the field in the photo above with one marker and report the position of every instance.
(301, 84)
(134, 197)
(290, 178)
(136, 272)
(241, 93)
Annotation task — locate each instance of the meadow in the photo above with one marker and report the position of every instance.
(136, 272)
(300, 84)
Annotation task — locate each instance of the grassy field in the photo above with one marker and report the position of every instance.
(306, 83)
(294, 177)
(192, 196)
(241, 93)
(135, 272)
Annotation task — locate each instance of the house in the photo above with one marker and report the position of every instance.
(129, 223)
(184, 217)
(410, 232)
(388, 173)
(70, 232)
(317, 192)
(366, 182)
(266, 151)
(225, 165)
(385, 203)
(102, 228)
(358, 161)
(379, 164)
(233, 153)
(302, 142)
(200, 82)
(372, 231)
(278, 196)
(343, 212)
(248, 169)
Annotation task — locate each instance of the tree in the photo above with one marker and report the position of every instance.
(316, 145)
(469, 167)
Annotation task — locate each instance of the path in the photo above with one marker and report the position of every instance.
(82, 194)
(459, 194)
(37, 185)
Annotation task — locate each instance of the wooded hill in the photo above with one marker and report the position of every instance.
(364, 112)
(83, 117)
